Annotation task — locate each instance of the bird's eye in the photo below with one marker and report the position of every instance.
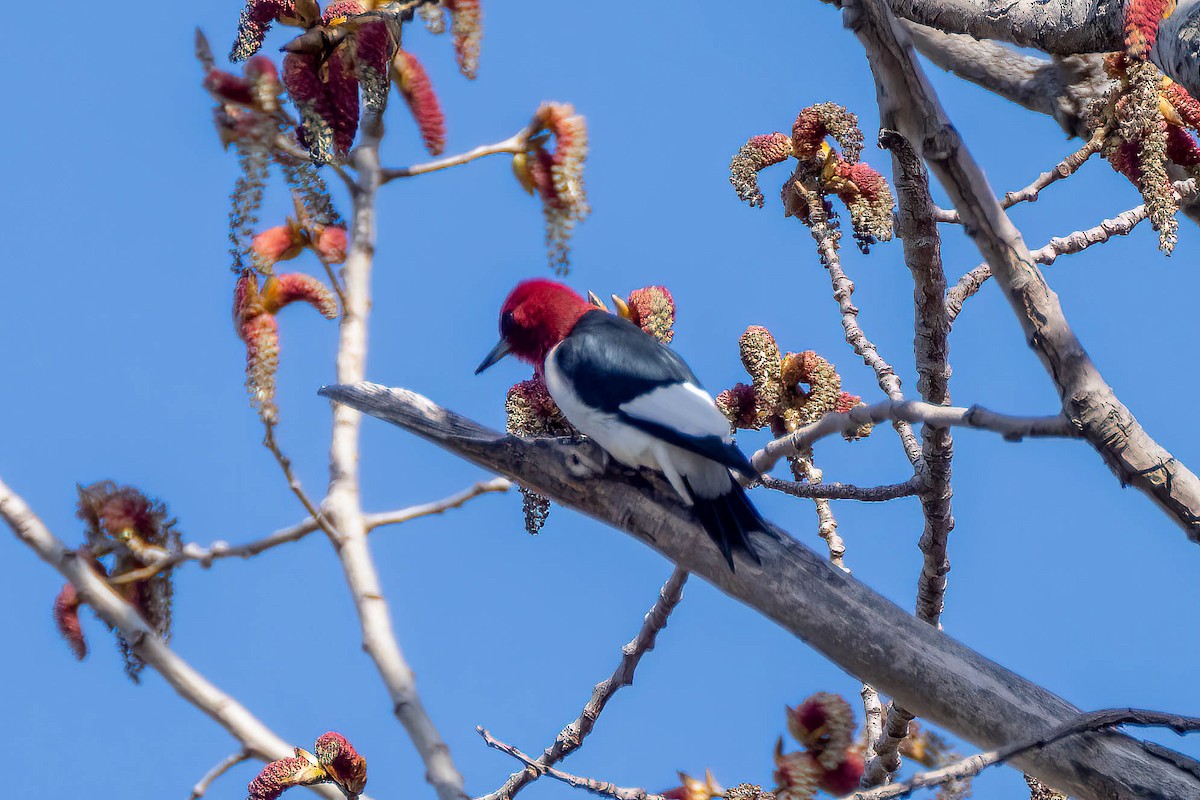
(506, 323)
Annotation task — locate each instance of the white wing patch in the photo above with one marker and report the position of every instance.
(688, 409)
(683, 406)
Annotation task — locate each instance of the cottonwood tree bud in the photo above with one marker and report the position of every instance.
(466, 27)
(556, 175)
(417, 90)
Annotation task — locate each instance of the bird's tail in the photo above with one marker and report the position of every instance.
(728, 518)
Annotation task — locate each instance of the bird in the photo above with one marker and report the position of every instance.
(637, 399)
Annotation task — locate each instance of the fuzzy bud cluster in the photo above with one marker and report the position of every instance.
(285, 242)
(254, 311)
(334, 760)
(820, 171)
(130, 531)
(1145, 123)
(832, 759)
(778, 397)
(556, 175)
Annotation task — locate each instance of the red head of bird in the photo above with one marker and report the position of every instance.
(537, 315)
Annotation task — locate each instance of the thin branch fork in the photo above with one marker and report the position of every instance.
(602, 788)
(223, 766)
(1012, 428)
(1121, 225)
(924, 670)
(571, 738)
(218, 550)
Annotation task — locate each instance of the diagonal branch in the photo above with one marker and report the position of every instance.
(571, 738)
(909, 104)
(843, 491)
(865, 634)
(256, 738)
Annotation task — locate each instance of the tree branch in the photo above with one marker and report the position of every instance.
(512, 145)
(843, 290)
(226, 764)
(865, 634)
(912, 411)
(602, 788)
(343, 503)
(1077, 242)
(908, 104)
(571, 738)
(218, 550)
(256, 738)
(973, 765)
(843, 491)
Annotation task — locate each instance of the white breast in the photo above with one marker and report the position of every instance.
(686, 408)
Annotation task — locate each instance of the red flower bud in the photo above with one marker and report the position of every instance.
(331, 244)
(279, 776)
(281, 243)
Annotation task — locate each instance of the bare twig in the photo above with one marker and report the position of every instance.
(512, 145)
(218, 550)
(1064, 169)
(1072, 243)
(843, 288)
(803, 467)
(374, 521)
(255, 737)
(1012, 428)
(285, 464)
(572, 736)
(843, 491)
(226, 764)
(343, 502)
(973, 765)
(602, 788)
(872, 725)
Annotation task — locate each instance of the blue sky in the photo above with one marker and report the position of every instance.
(122, 363)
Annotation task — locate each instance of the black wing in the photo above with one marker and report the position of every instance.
(633, 364)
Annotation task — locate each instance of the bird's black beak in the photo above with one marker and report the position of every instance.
(501, 349)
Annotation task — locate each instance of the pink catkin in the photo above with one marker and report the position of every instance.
(331, 245)
(417, 90)
(66, 619)
(284, 290)
(1181, 147)
(277, 777)
(342, 90)
(1184, 104)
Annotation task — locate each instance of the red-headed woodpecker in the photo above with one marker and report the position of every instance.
(634, 397)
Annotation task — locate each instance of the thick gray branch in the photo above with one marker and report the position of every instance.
(1069, 27)
(867, 635)
(908, 103)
